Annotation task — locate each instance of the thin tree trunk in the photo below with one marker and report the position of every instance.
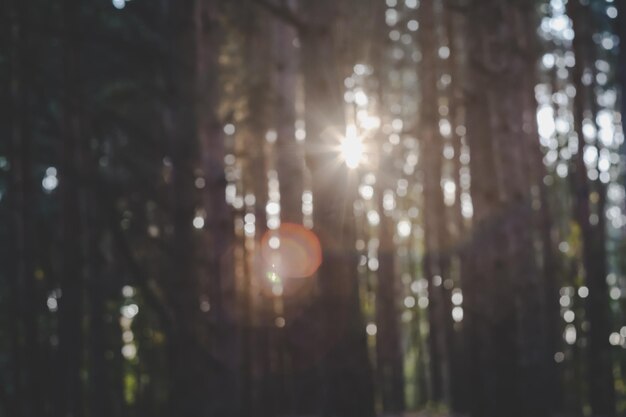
(19, 194)
(71, 301)
(219, 221)
(600, 366)
(389, 361)
(256, 125)
(435, 230)
(289, 156)
(454, 22)
(620, 29)
(256, 122)
(290, 170)
(389, 352)
(99, 404)
(190, 360)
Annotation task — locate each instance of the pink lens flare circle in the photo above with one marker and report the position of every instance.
(292, 251)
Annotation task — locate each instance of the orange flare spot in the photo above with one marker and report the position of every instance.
(299, 253)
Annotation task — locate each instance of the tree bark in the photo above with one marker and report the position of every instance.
(435, 230)
(454, 23)
(389, 363)
(550, 266)
(99, 405)
(502, 293)
(72, 283)
(25, 297)
(289, 156)
(289, 160)
(620, 29)
(219, 231)
(600, 365)
(345, 372)
(191, 361)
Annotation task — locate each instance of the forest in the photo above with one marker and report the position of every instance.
(312, 208)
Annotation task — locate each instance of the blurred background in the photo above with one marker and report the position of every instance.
(338, 208)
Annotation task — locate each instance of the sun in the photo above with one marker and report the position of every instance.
(352, 148)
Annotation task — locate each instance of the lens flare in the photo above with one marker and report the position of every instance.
(298, 255)
(352, 149)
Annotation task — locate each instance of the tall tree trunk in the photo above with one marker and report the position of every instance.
(256, 125)
(191, 361)
(219, 224)
(536, 358)
(454, 22)
(550, 265)
(25, 302)
(620, 30)
(600, 365)
(346, 380)
(71, 301)
(290, 169)
(99, 404)
(389, 363)
(389, 352)
(503, 295)
(256, 121)
(434, 210)
(289, 156)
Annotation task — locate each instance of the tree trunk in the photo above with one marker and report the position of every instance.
(435, 231)
(99, 394)
(389, 361)
(620, 30)
(289, 156)
(503, 295)
(191, 360)
(71, 301)
(219, 222)
(600, 365)
(25, 298)
(256, 127)
(346, 381)
(455, 262)
(290, 169)
(551, 267)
